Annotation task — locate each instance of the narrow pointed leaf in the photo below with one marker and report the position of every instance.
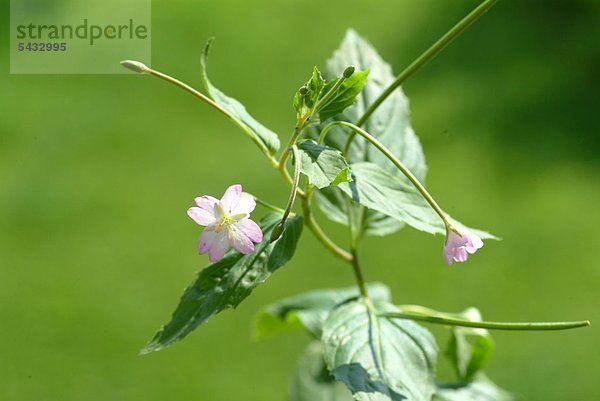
(262, 136)
(343, 97)
(225, 284)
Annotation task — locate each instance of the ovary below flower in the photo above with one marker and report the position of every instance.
(458, 246)
(227, 223)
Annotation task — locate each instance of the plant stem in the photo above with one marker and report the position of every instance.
(288, 209)
(269, 206)
(316, 229)
(450, 321)
(428, 55)
(212, 103)
(360, 280)
(388, 153)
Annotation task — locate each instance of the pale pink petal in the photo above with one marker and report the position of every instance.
(240, 241)
(245, 204)
(473, 243)
(448, 255)
(250, 229)
(206, 202)
(207, 240)
(460, 254)
(219, 246)
(231, 197)
(201, 216)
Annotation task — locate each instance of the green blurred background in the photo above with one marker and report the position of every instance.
(96, 173)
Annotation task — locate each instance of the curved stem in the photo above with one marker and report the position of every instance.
(204, 98)
(316, 229)
(383, 149)
(278, 230)
(450, 321)
(428, 55)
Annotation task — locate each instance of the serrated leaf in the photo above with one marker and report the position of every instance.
(309, 310)
(262, 136)
(480, 389)
(225, 284)
(379, 359)
(376, 189)
(313, 382)
(344, 96)
(306, 97)
(469, 349)
(323, 165)
(390, 123)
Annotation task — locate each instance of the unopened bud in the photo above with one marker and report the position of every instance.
(349, 71)
(135, 66)
(303, 90)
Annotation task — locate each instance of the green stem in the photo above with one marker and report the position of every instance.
(383, 149)
(269, 205)
(428, 55)
(318, 232)
(276, 233)
(147, 70)
(360, 280)
(450, 321)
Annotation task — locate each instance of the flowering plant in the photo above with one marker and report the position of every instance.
(354, 154)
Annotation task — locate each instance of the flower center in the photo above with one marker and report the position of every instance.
(225, 219)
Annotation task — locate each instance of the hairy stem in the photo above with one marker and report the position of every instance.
(292, 198)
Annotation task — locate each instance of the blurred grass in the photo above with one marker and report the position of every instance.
(96, 173)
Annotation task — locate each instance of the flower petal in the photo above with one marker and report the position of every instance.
(250, 229)
(460, 254)
(207, 240)
(245, 204)
(201, 216)
(473, 243)
(240, 241)
(231, 197)
(219, 247)
(206, 202)
(448, 255)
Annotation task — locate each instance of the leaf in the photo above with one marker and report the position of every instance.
(309, 310)
(480, 389)
(324, 166)
(390, 123)
(307, 96)
(266, 139)
(469, 349)
(344, 96)
(376, 189)
(313, 382)
(379, 359)
(225, 284)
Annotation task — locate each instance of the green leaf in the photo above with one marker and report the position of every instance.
(324, 166)
(307, 96)
(313, 382)
(344, 96)
(225, 284)
(480, 389)
(376, 189)
(390, 123)
(309, 310)
(379, 359)
(266, 139)
(469, 349)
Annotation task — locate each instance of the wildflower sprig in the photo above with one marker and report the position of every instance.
(354, 154)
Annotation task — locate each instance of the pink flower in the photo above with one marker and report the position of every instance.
(458, 246)
(227, 223)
